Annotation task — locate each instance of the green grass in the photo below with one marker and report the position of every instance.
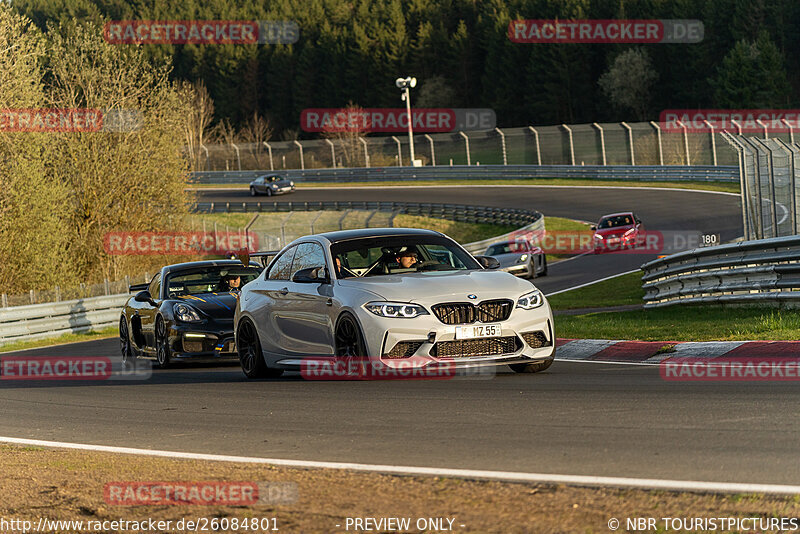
(729, 187)
(619, 291)
(232, 220)
(461, 232)
(684, 323)
(65, 338)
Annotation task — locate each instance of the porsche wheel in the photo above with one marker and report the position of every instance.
(250, 356)
(252, 191)
(544, 266)
(128, 358)
(531, 367)
(269, 192)
(349, 340)
(162, 344)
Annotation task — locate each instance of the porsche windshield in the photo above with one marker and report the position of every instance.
(617, 220)
(399, 255)
(209, 279)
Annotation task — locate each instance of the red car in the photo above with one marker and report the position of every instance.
(618, 231)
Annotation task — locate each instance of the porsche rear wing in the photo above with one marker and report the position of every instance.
(264, 256)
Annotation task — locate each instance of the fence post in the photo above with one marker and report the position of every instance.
(503, 144)
(538, 150)
(269, 149)
(757, 182)
(341, 219)
(333, 153)
(685, 142)
(33, 297)
(315, 220)
(399, 151)
(106, 286)
(660, 147)
(766, 132)
(302, 159)
(602, 141)
(771, 173)
(792, 170)
(571, 144)
(466, 141)
(238, 156)
(630, 140)
(206, 151)
(58, 294)
(713, 142)
(366, 154)
(5, 300)
(433, 154)
(791, 130)
(127, 282)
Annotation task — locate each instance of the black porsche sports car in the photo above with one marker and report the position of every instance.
(185, 312)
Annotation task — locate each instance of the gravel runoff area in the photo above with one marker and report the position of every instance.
(69, 485)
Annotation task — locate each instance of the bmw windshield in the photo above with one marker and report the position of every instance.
(394, 255)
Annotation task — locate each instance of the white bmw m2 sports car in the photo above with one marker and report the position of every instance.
(388, 295)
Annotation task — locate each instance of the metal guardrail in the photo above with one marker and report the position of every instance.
(765, 271)
(644, 173)
(22, 323)
(454, 212)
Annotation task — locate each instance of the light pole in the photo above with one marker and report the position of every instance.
(405, 85)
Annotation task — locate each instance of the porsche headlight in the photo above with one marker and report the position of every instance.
(396, 309)
(186, 314)
(273, 186)
(598, 236)
(522, 258)
(531, 300)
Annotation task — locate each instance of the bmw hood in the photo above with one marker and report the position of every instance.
(443, 286)
(216, 305)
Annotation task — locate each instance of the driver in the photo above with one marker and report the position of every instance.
(230, 282)
(407, 258)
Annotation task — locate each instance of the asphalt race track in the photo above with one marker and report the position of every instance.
(659, 209)
(576, 418)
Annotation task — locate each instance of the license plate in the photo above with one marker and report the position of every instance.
(482, 330)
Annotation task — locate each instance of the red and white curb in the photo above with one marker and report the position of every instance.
(617, 351)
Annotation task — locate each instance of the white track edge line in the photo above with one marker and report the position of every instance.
(650, 483)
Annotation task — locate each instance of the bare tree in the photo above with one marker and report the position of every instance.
(199, 121)
(347, 140)
(255, 131)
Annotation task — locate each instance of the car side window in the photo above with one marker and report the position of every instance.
(282, 266)
(308, 255)
(155, 287)
(260, 180)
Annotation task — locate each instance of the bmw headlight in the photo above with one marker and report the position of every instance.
(186, 314)
(531, 300)
(273, 186)
(396, 309)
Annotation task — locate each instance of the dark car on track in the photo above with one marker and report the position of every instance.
(618, 231)
(184, 313)
(271, 184)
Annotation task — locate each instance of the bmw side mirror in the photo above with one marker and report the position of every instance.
(488, 262)
(311, 275)
(144, 296)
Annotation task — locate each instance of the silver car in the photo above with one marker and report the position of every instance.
(271, 184)
(519, 257)
(392, 296)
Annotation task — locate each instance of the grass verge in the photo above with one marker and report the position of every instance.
(620, 291)
(65, 338)
(68, 485)
(728, 187)
(460, 231)
(684, 323)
